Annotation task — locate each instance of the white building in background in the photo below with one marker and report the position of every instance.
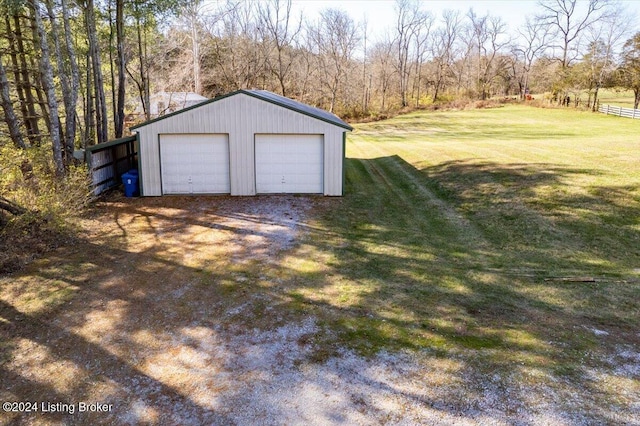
(163, 103)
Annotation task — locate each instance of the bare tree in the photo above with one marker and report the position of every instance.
(443, 49)
(307, 66)
(534, 40)
(22, 76)
(382, 62)
(121, 61)
(47, 82)
(236, 61)
(421, 48)
(140, 76)
(191, 11)
(488, 38)
(196, 16)
(410, 19)
(569, 19)
(96, 65)
(279, 32)
(604, 38)
(365, 87)
(67, 96)
(70, 121)
(336, 38)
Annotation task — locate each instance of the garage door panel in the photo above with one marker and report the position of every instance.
(195, 164)
(289, 163)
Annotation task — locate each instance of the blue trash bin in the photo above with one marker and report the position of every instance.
(130, 182)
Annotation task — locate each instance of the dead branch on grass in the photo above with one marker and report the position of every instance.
(11, 207)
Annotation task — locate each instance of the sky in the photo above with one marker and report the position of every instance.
(380, 13)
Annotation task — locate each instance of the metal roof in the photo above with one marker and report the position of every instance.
(299, 106)
(267, 96)
(109, 144)
(179, 96)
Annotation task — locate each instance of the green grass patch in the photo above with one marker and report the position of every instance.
(470, 231)
(617, 97)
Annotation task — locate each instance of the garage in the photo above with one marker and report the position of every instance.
(289, 164)
(194, 163)
(244, 143)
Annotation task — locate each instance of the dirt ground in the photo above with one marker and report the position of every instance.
(174, 310)
(154, 315)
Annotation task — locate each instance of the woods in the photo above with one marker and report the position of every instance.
(72, 72)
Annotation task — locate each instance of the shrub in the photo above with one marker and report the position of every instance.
(51, 204)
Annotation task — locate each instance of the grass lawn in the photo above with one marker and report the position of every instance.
(507, 237)
(483, 267)
(623, 98)
(469, 229)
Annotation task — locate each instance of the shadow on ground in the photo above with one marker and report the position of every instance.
(423, 295)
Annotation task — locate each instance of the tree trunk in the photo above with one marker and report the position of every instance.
(334, 95)
(36, 66)
(384, 96)
(195, 51)
(64, 83)
(120, 63)
(112, 71)
(418, 76)
(49, 87)
(98, 80)
(89, 122)
(9, 114)
(35, 136)
(141, 79)
(595, 98)
(147, 85)
(18, 80)
(70, 123)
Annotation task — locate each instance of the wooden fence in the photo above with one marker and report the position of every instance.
(109, 160)
(619, 111)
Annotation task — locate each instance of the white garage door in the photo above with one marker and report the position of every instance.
(289, 164)
(195, 164)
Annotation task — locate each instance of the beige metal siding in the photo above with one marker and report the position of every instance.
(240, 116)
(333, 161)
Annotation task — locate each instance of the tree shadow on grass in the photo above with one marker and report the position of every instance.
(460, 261)
(529, 208)
(395, 265)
